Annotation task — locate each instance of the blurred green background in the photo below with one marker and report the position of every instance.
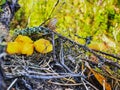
(97, 18)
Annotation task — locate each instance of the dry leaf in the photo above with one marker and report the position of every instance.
(94, 59)
(101, 79)
(52, 24)
(108, 41)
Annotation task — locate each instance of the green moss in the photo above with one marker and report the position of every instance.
(86, 18)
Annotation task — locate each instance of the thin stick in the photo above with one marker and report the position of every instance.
(12, 84)
(53, 42)
(84, 84)
(111, 55)
(49, 17)
(64, 84)
(90, 84)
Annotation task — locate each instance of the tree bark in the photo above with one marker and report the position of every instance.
(8, 10)
(6, 15)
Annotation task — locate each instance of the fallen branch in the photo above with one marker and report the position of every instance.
(111, 55)
(102, 59)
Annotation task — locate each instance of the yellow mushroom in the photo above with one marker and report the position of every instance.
(13, 47)
(43, 46)
(21, 45)
(23, 39)
(27, 48)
